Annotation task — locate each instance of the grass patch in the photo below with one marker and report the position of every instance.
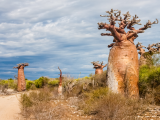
(109, 106)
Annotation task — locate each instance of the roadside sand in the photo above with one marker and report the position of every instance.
(9, 107)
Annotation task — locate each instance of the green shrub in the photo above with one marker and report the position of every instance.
(41, 82)
(149, 83)
(25, 101)
(10, 83)
(3, 82)
(29, 84)
(38, 83)
(149, 78)
(53, 83)
(86, 77)
(100, 79)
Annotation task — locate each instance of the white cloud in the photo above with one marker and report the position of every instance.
(103, 56)
(87, 66)
(6, 72)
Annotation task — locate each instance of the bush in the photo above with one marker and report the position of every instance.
(53, 83)
(149, 82)
(100, 80)
(12, 84)
(41, 82)
(109, 106)
(86, 77)
(35, 103)
(9, 83)
(29, 85)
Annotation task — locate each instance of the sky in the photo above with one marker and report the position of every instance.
(51, 33)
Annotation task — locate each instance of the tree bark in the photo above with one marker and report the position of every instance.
(21, 79)
(123, 69)
(98, 71)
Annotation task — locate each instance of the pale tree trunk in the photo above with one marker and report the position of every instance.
(60, 83)
(123, 69)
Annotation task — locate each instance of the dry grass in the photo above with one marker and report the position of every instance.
(36, 102)
(95, 101)
(109, 106)
(40, 105)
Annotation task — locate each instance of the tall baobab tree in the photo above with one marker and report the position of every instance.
(98, 67)
(60, 83)
(123, 68)
(21, 76)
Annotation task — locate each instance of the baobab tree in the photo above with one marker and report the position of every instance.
(60, 83)
(98, 67)
(123, 68)
(146, 57)
(21, 76)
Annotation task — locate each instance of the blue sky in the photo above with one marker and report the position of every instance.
(64, 33)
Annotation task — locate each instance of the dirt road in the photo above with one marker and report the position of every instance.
(9, 107)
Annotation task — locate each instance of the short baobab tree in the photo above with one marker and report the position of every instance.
(21, 76)
(123, 67)
(98, 67)
(60, 83)
(146, 57)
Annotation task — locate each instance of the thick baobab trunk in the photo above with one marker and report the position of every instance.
(123, 69)
(21, 79)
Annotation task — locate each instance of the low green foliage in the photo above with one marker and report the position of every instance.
(53, 83)
(41, 82)
(25, 101)
(96, 94)
(86, 77)
(149, 78)
(10, 83)
(29, 84)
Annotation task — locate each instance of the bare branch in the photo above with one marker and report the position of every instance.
(111, 45)
(21, 64)
(106, 34)
(148, 24)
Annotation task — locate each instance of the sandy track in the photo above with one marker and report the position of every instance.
(9, 107)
